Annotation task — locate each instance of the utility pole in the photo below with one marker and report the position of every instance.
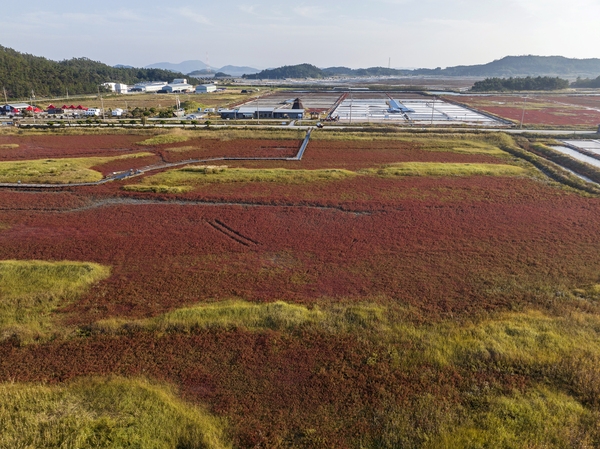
(5, 98)
(523, 115)
(258, 108)
(351, 104)
(32, 109)
(102, 103)
(33, 105)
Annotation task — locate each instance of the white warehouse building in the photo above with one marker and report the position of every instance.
(116, 87)
(176, 88)
(149, 87)
(206, 88)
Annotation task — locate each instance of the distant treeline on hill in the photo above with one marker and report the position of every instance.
(587, 82)
(311, 71)
(516, 84)
(21, 73)
(509, 66)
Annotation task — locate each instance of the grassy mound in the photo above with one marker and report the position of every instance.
(194, 176)
(446, 169)
(97, 413)
(31, 290)
(534, 419)
(164, 139)
(57, 171)
(275, 316)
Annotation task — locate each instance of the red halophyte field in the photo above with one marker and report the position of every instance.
(540, 109)
(428, 254)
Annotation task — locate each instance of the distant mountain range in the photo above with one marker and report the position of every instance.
(515, 66)
(199, 68)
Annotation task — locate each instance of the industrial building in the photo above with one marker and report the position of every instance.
(296, 112)
(262, 113)
(206, 88)
(154, 86)
(118, 88)
(178, 86)
(14, 108)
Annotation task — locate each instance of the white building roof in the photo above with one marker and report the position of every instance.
(18, 105)
(249, 109)
(289, 111)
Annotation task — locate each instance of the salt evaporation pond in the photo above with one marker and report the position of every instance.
(577, 155)
(580, 157)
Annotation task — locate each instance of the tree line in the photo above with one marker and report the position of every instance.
(516, 84)
(587, 82)
(20, 74)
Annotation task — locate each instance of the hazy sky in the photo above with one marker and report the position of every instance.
(261, 33)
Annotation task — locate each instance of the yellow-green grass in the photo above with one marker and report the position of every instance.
(529, 338)
(184, 179)
(182, 149)
(242, 314)
(7, 146)
(180, 135)
(194, 176)
(446, 169)
(163, 139)
(31, 290)
(58, 171)
(432, 141)
(538, 418)
(157, 189)
(104, 413)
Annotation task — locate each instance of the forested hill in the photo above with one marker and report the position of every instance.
(21, 73)
(523, 66)
(289, 71)
(510, 66)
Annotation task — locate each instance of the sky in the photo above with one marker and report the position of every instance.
(263, 34)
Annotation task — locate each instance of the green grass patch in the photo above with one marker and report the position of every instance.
(165, 139)
(539, 418)
(157, 189)
(31, 290)
(242, 314)
(446, 169)
(528, 339)
(8, 146)
(57, 171)
(104, 413)
(429, 141)
(182, 149)
(193, 176)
